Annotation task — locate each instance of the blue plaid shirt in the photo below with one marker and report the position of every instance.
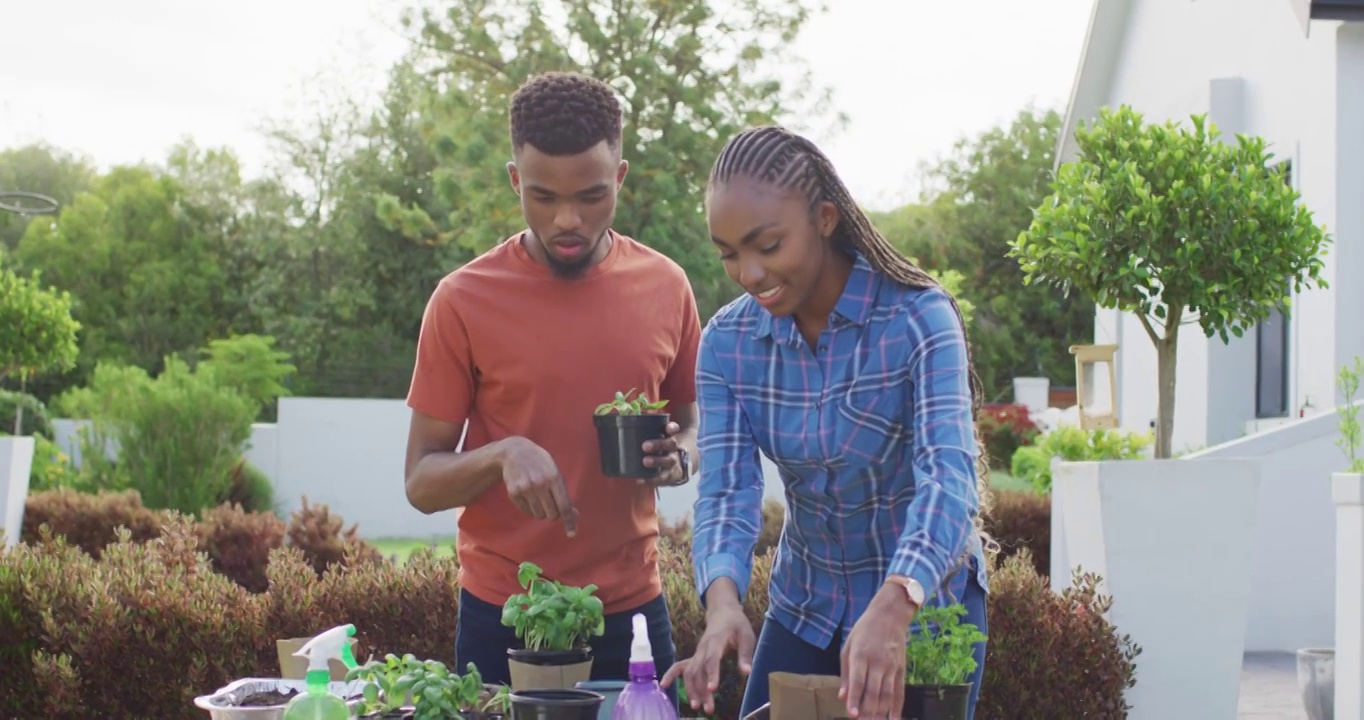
(873, 437)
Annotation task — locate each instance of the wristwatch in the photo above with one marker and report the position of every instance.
(913, 589)
(684, 461)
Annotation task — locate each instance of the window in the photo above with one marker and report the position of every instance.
(1271, 353)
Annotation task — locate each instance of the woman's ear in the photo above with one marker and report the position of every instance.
(828, 218)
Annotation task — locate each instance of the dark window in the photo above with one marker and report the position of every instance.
(1271, 353)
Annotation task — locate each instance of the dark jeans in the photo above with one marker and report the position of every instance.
(483, 640)
(781, 651)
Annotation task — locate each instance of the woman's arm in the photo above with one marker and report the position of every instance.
(940, 519)
(728, 512)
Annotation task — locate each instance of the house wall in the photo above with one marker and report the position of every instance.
(1246, 64)
(348, 454)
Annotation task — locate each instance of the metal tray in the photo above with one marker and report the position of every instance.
(219, 707)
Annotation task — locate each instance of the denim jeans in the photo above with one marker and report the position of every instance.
(483, 640)
(779, 650)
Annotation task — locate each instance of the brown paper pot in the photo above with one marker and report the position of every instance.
(805, 697)
(292, 667)
(549, 669)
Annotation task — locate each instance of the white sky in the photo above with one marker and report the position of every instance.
(122, 80)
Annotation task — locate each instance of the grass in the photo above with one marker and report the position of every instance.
(401, 548)
(1002, 480)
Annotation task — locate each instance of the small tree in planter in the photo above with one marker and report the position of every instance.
(939, 660)
(405, 688)
(1176, 227)
(623, 426)
(37, 334)
(554, 622)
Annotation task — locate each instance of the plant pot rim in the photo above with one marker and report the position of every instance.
(550, 657)
(937, 686)
(561, 697)
(642, 419)
(1303, 652)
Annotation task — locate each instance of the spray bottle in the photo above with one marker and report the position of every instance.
(643, 699)
(318, 703)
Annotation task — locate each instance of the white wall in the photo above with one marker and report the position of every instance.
(348, 454)
(1246, 64)
(1292, 597)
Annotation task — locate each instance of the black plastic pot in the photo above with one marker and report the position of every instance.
(555, 705)
(621, 439)
(936, 702)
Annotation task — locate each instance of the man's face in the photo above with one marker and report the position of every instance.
(569, 202)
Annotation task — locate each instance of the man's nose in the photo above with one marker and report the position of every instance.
(567, 219)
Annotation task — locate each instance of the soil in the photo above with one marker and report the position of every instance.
(271, 698)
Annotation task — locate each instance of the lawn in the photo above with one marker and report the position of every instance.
(1002, 480)
(400, 548)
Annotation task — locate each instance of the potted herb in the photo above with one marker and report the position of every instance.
(623, 426)
(939, 659)
(554, 622)
(405, 688)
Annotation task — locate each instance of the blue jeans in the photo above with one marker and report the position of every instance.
(779, 650)
(483, 640)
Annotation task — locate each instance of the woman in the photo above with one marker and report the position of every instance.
(847, 366)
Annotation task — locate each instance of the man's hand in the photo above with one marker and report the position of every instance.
(726, 628)
(873, 658)
(535, 485)
(662, 454)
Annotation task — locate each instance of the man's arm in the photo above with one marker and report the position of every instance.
(436, 476)
(679, 387)
(440, 478)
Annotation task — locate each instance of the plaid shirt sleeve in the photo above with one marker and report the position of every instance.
(945, 500)
(728, 511)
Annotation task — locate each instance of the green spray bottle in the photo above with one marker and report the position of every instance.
(318, 703)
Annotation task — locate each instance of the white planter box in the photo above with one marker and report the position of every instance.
(1347, 489)
(1172, 541)
(16, 461)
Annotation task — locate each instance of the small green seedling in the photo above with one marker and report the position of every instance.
(947, 656)
(623, 405)
(1350, 439)
(436, 693)
(551, 615)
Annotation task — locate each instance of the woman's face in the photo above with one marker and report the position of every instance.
(770, 243)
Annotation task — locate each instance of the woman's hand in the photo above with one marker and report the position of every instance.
(873, 658)
(727, 628)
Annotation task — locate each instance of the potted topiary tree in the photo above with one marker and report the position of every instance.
(1174, 226)
(623, 426)
(37, 335)
(939, 660)
(554, 622)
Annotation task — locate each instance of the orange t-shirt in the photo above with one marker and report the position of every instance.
(515, 350)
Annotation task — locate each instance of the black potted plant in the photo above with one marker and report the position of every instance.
(554, 622)
(939, 661)
(405, 688)
(623, 426)
(555, 704)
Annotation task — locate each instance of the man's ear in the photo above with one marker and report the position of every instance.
(514, 176)
(620, 173)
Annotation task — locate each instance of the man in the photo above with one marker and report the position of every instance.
(522, 344)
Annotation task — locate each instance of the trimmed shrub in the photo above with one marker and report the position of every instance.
(1053, 651)
(250, 488)
(238, 543)
(774, 516)
(1073, 444)
(1019, 520)
(315, 531)
(1004, 429)
(89, 521)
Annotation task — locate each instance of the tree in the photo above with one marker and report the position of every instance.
(37, 332)
(690, 73)
(1175, 226)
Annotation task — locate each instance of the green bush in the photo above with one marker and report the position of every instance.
(37, 332)
(1073, 444)
(35, 418)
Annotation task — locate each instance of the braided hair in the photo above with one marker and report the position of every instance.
(787, 161)
(564, 113)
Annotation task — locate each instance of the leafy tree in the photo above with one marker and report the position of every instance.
(1176, 226)
(42, 169)
(37, 332)
(691, 73)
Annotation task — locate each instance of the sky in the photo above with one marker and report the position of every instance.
(120, 81)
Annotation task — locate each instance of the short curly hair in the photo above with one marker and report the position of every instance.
(564, 113)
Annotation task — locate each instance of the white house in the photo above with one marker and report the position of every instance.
(1292, 72)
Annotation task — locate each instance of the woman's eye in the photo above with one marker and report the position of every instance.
(771, 248)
